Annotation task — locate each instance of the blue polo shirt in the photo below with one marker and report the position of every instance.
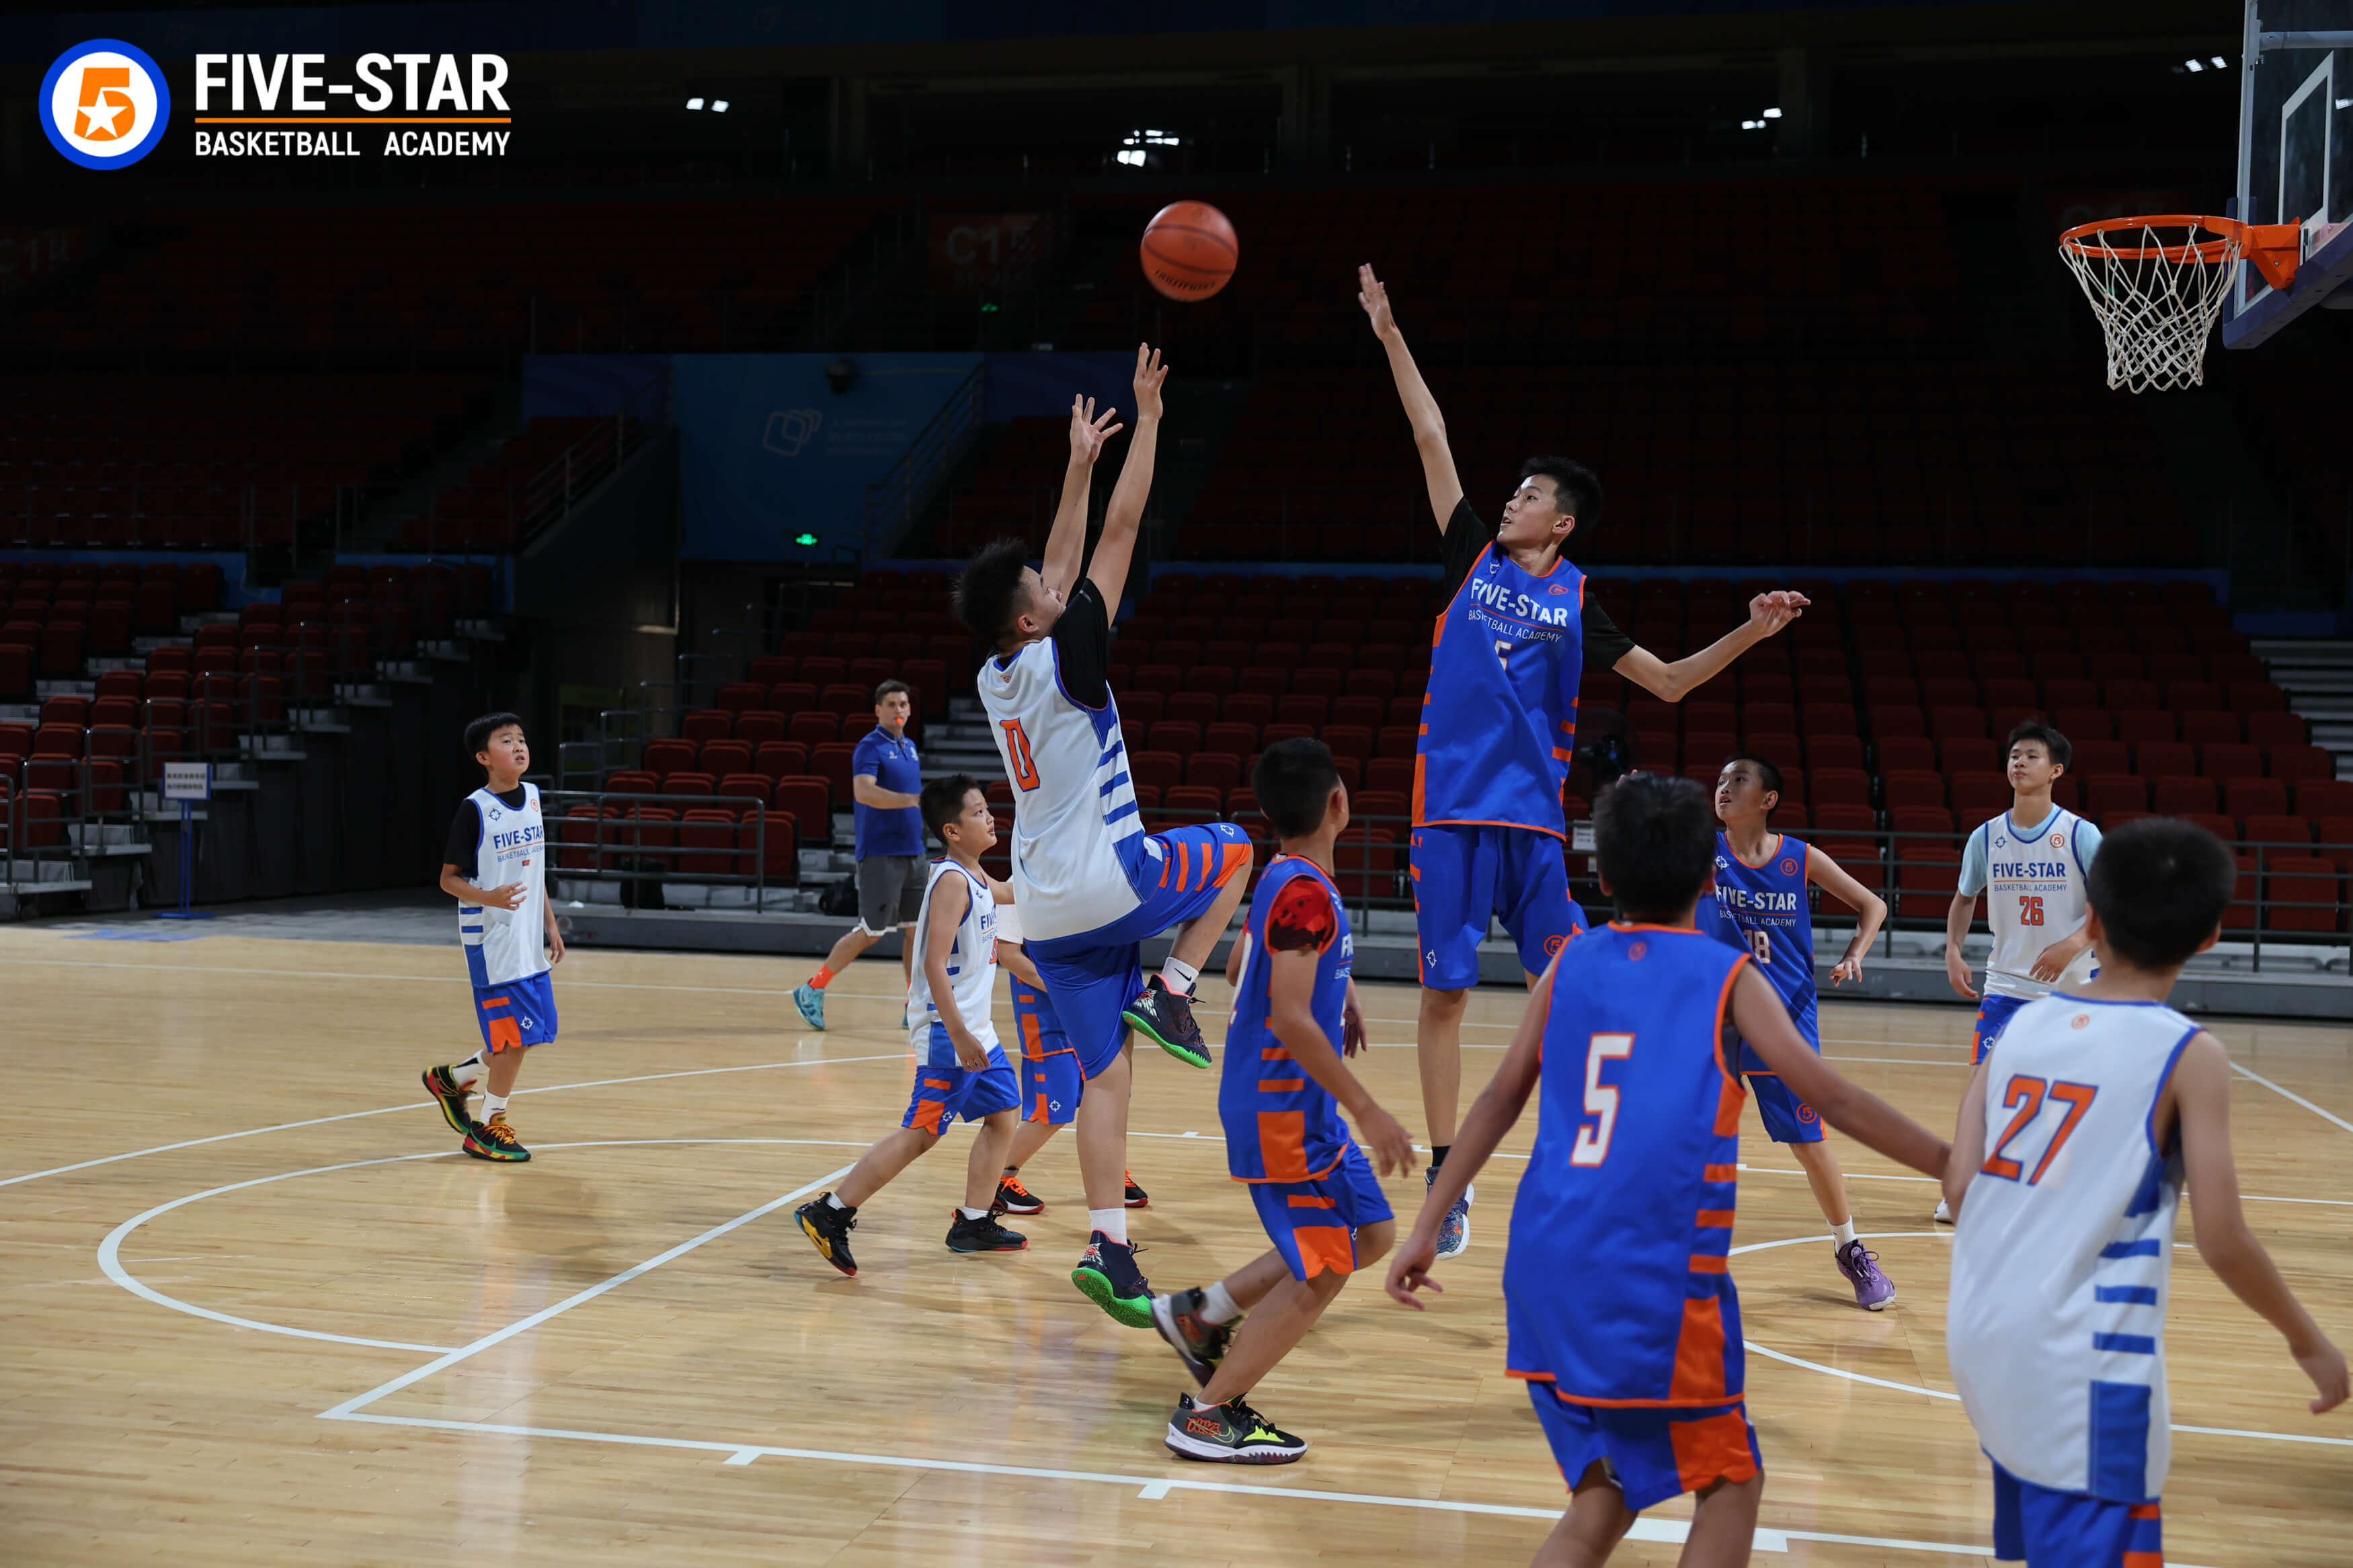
(884, 831)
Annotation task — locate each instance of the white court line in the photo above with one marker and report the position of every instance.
(424, 1104)
(2291, 1094)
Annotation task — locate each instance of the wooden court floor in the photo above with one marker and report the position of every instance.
(259, 1311)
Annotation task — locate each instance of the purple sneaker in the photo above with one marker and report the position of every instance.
(1872, 1290)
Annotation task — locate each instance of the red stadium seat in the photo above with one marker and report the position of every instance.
(2298, 762)
(2106, 793)
(2229, 762)
(2254, 797)
(2303, 893)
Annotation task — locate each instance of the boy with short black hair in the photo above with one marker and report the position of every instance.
(963, 1073)
(1280, 1098)
(1761, 908)
(2055, 1323)
(1617, 1287)
(496, 867)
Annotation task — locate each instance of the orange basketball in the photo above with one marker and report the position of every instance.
(1189, 250)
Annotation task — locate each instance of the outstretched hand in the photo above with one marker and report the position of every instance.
(1410, 1270)
(1769, 613)
(1149, 373)
(1089, 430)
(1374, 296)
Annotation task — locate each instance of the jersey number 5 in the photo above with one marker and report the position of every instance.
(2029, 909)
(1600, 1098)
(2027, 1095)
(1017, 748)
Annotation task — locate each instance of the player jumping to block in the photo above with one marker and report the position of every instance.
(1278, 1099)
(1618, 1293)
(2075, 1139)
(2032, 864)
(496, 867)
(1760, 907)
(1499, 726)
(961, 1074)
(1051, 1084)
(1090, 882)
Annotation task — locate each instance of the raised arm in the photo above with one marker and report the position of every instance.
(1125, 515)
(1764, 1023)
(1066, 544)
(1420, 408)
(1767, 613)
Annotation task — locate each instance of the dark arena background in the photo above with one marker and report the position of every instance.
(649, 370)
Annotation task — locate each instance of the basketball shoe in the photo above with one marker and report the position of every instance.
(1200, 1345)
(1228, 1434)
(1944, 1215)
(828, 1229)
(494, 1140)
(1872, 1290)
(811, 1002)
(1168, 1018)
(984, 1234)
(1136, 1197)
(1015, 1198)
(450, 1096)
(1454, 1231)
(1109, 1276)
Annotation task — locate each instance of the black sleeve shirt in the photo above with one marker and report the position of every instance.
(1466, 536)
(1083, 646)
(465, 833)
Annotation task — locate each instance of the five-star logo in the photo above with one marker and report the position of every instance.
(105, 104)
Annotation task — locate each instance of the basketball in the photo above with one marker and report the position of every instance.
(1188, 250)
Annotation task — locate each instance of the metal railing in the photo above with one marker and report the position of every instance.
(626, 846)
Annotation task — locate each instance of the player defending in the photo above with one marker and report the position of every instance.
(1618, 1293)
(1090, 882)
(1051, 1085)
(1760, 907)
(496, 867)
(2033, 878)
(1279, 1099)
(964, 1076)
(1499, 726)
(2056, 1320)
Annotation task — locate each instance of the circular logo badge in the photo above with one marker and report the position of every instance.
(1553, 944)
(1558, 589)
(2058, 841)
(1789, 868)
(2080, 1021)
(1640, 951)
(1807, 1114)
(105, 104)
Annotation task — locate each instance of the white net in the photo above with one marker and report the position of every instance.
(2157, 290)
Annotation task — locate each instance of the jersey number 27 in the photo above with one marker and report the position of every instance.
(2027, 1096)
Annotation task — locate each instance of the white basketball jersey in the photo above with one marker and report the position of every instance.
(972, 962)
(2055, 1326)
(506, 945)
(1077, 844)
(2034, 895)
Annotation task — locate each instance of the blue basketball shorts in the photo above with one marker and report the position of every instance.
(1092, 976)
(1464, 875)
(2047, 1529)
(1788, 1119)
(1314, 1224)
(516, 1015)
(1648, 1453)
(1993, 1016)
(1050, 1083)
(945, 1096)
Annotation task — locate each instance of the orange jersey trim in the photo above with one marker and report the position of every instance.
(1701, 1264)
(1483, 822)
(1546, 1378)
(1311, 1176)
(1719, 1173)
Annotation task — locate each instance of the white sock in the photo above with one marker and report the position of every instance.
(1843, 1233)
(471, 1071)
(833, 1200)
(1180, 976)
(973, 1214)
(1218, 1304)
(492, 1104)
(1113, 1223)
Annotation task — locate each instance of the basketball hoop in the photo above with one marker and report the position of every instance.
(2157, 288)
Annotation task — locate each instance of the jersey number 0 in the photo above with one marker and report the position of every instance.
(1016, 747)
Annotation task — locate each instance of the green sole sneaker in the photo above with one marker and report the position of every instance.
(1167, 1019)
(1129, 1312)
(450, 1098)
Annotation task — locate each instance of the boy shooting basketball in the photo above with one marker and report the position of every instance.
(1278, 1099)
(961, 1073)
(496, 867)
(2075, 1139)
(1617, 1290)
(1499, 726)
(1092, 883)
(1760, 907)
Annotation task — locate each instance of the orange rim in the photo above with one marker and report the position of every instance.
(2274, 247)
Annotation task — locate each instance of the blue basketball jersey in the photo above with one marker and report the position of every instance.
(1618, 1283)
(1762, 910)
(1281, 1125)
(1499, 720)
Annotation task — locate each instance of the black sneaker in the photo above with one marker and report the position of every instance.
(828, 1231)
(1015, 1198)
(984, 1234)
(1137, 1198)
(1168, 1019)
(1200, 1345)
(450, 1096)
(1108, 1274)
(1228, 1434)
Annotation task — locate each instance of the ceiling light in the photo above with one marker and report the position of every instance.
(2195, 66)
(2220, 62)
(718, 105)
(1772, 114)
(1134, 157)
(694, 104)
